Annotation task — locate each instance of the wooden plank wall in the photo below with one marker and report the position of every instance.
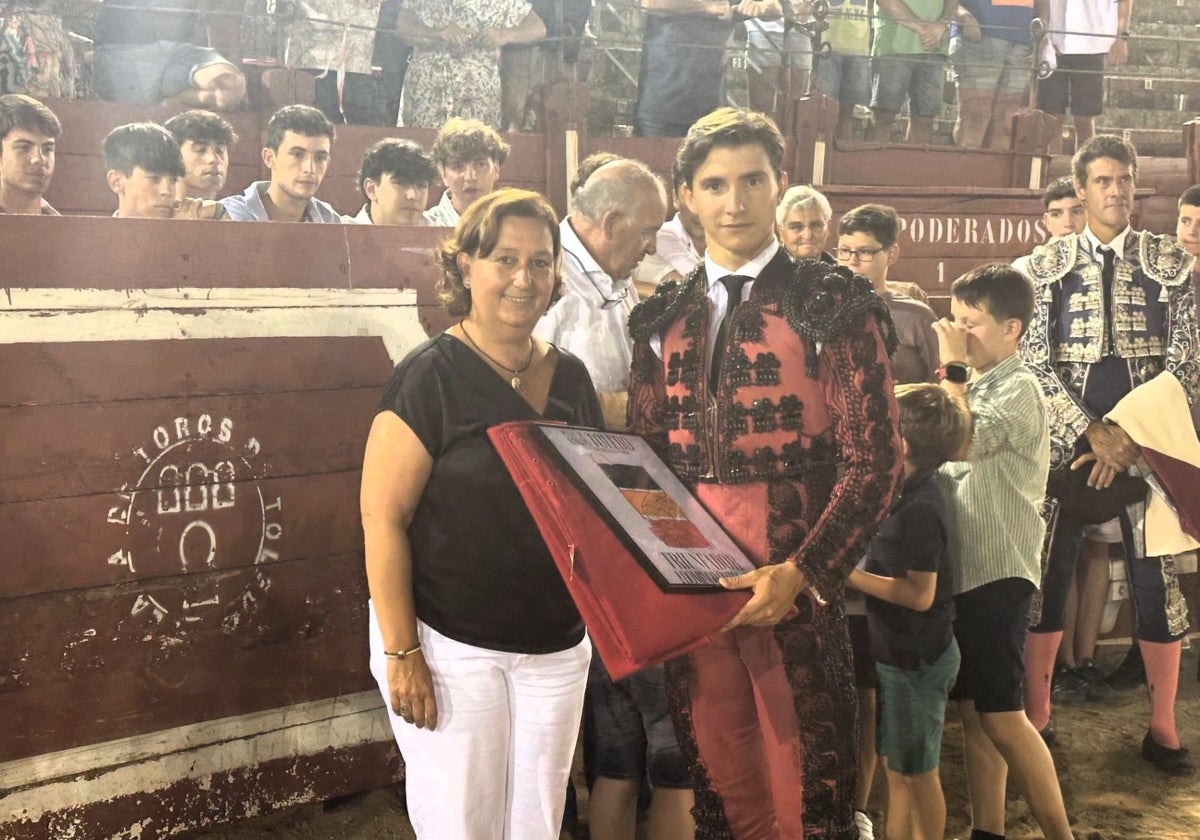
(182, 598)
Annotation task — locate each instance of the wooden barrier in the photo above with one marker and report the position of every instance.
(184, 603)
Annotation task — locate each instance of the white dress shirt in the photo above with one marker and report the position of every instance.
(718, 297)
(580, 324)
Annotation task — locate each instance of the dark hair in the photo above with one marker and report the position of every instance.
(587, 166)
(460, 140)
(879, 220)
(1190, 197)
(145, 144)
(477, 233)
(403, 160)
(20, 111)
(723, 128)
(302, 119)
(1059, 189)
(999, 290)
(932, 423)
(1103, 146)
(201, 126)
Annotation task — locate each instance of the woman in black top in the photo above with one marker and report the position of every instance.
(475, 643)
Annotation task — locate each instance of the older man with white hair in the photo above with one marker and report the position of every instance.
(613, 224)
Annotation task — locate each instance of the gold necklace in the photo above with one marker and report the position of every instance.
(515, 382)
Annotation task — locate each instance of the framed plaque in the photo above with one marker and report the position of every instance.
(663, 526)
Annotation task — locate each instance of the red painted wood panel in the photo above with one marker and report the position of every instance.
(903, 165)
(97, 664)
(70, 450)
(54, 545)
(218, 798)
(155, 254)
(101, 371)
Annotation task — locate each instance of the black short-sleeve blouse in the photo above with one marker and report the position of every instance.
(482, 574)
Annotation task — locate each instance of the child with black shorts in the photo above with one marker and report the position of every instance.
(910, 610)
(993, 500)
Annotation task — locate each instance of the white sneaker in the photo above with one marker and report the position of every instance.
(866, 829)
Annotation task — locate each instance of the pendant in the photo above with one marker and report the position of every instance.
(516, 383)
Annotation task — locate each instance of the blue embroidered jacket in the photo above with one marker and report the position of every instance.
(1153, 312)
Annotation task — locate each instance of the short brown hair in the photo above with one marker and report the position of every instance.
(460, 140)
(724, 128)
(1059, 189)
(877, 220)
(932, 423)
(20, 111)
(999, 290)
(1103, 146)
(477, 233)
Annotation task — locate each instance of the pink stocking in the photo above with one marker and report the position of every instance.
(1162, 678)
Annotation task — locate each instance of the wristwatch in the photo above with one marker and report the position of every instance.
(955, 372)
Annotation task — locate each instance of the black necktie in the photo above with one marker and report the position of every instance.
(733, 283)
(1106, 279)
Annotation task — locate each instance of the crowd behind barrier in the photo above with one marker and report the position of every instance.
(183, 169)
(411, 65)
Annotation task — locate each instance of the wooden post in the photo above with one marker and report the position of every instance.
(1191, 149)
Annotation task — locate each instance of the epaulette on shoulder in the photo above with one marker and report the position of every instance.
(1051, 261)
(824, 301)
(1163, 260)
(650, 316)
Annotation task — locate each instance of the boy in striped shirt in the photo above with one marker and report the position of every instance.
(993, 501)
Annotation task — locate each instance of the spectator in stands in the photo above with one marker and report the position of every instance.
(802, 223)
(36, 57)
(1065, 213)
(683, 59)
(613, 223)
(29, 133)
(204, 139)
(778, 58)
(299, 140)
(454, 70)
(143, 164)
(1088, 36)
(335, 40)
(565, 22)
(394, 178)
(844, 73)
(468, 155)
(144, 56)
(867, 246)
(908, 65)
(1187, 230)
(678, 249)
(628, 732)
(991, 53)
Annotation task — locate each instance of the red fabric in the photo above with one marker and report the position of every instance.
(633, 624)
(1181, 480)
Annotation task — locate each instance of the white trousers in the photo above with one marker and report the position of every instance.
(496, 767)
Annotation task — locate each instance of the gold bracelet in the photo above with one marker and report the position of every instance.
(402, 654)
